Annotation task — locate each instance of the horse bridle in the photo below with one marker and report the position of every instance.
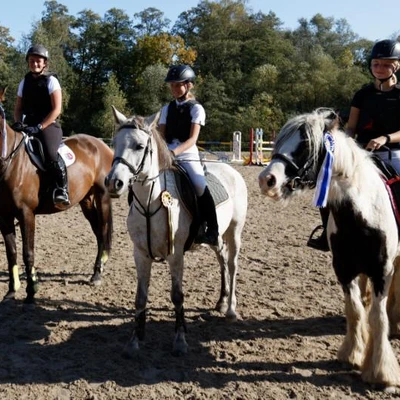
(148, 150)
(304, 176)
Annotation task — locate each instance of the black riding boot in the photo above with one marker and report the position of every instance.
(208, 213)
(320, 242)
(59, 172)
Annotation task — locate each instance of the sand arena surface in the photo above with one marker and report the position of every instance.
(283, 347)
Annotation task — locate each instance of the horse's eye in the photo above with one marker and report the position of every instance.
(140, 147)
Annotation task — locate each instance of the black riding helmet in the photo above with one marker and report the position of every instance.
(386, 49)
(37, 50)
(180, 73)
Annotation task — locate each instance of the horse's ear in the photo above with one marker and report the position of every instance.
(118, 116)
(152, 120)
(3, 90)
(331, 118)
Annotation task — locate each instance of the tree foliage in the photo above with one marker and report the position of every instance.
(250, 71)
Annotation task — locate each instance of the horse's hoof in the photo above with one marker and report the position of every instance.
(221, 307)
(8, 297)
(180, 347)
(179, 352)
(390, 389)
(95, 280)
(231, 317)
(29, 306)
(131, 349)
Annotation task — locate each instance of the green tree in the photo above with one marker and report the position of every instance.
(152, 93)
(151, 22)
(103, 120)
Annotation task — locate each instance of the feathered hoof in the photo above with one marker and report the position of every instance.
(390, 389)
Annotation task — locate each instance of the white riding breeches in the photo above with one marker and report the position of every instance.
(190, 161)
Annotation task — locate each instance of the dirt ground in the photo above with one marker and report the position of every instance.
(283, 346)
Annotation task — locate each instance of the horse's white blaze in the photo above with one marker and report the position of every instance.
(272, 179)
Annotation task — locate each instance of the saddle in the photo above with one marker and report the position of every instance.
(34, 148)
(188, 196)
(391, 179)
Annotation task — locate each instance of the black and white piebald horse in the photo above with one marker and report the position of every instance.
(362, 232)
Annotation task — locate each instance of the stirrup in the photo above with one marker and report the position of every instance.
(60, 197)
(320, 242)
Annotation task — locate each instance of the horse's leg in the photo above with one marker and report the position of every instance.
(222, 257)
(365, 287)
(352, 349)
(228, 260)
(7, 228)
(143, 270)
(103, 233)
(100, 219)
(180, 346)
(380, 364)
(234, 243)
(393, 306)
(27, 225)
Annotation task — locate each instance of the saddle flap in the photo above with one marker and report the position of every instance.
(34, 148)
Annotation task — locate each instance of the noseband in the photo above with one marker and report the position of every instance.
(303, 176)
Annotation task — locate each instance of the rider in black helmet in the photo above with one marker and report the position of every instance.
(37, 50)
(374, 119)
(180, 124)
(38, 106)
(385, 50)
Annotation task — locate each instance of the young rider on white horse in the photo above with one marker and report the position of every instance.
(180, 124)
(374, 119)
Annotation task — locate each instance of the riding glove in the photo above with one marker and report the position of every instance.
(17, 126)
(32, 130)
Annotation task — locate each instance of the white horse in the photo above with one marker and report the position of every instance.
(362, 231)
(159, 222)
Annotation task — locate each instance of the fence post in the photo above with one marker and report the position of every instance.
(237, 146)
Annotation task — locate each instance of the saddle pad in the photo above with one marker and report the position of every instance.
(67, 154)
(217, 190)
(393, 189)
(35, 151)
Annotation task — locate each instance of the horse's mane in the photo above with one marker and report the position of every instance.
(165, 159)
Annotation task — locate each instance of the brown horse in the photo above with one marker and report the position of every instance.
(26, 192)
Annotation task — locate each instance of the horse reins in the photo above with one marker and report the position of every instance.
(16, 147)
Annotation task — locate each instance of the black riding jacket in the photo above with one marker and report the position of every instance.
(379, 113)
(36, 101)
(179, 121)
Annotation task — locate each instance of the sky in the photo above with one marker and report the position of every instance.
(368, 19)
